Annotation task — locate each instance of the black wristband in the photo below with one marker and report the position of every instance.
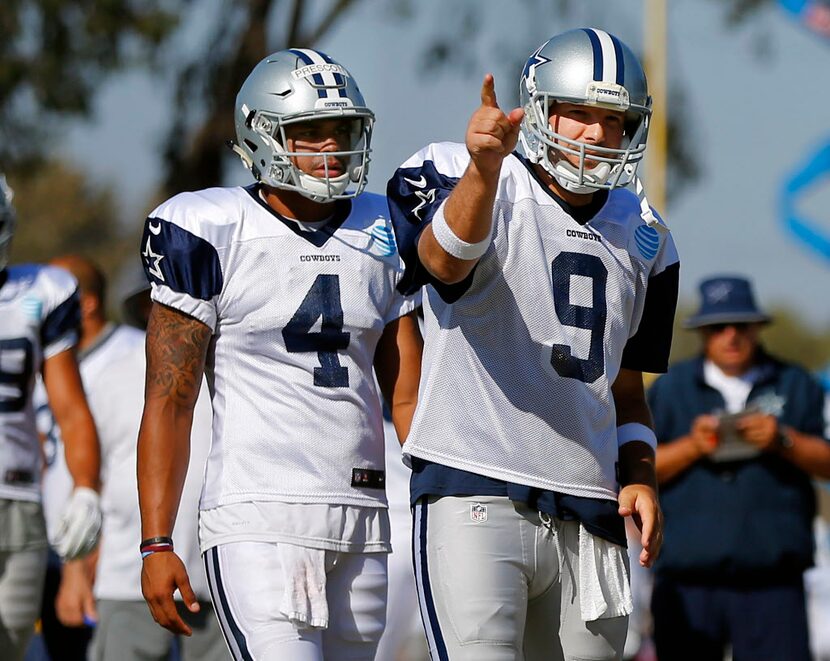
(152, 541)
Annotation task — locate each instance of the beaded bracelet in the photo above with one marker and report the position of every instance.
(155, 545)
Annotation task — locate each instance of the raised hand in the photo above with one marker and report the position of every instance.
(491, 134)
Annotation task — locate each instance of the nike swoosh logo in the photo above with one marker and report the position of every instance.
(155, 230)
(418, 183)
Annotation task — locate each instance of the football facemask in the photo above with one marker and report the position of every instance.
(301, 85)
(592, 68)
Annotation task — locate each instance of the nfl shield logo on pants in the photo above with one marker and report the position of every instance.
(478, 513)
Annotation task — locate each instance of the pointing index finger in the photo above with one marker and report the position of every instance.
(488, 92)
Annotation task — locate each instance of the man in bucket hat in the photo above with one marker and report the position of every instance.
(739, 436)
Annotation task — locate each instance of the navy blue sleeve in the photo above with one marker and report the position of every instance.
(805, 405)
(414, 194)
(648, 350)
(63, 319)
(179, 259)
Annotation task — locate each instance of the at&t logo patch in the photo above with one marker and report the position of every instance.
(648, 241)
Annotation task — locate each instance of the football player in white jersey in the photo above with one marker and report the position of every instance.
(100, 343)
(124, 628)
(552, 287)
(39, 316)
(285, 293)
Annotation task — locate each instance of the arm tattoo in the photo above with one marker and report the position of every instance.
(176, 348)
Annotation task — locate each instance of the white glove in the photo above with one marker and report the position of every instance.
(80, 524)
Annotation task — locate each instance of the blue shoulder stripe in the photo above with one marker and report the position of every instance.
(179, 259)
(414, 195)
(64, 318)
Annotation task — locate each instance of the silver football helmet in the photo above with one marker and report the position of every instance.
(586, 67)
(298, 85)
(8, 221)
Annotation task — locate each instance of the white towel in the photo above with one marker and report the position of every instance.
(304, 600)
(604, 589)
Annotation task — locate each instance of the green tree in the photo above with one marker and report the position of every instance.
(59, 212)
(213, 74)
(241, 34)
(55, 53)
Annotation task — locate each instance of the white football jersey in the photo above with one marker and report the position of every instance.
(114, 341)
(296, 315)
(520, 358)
(116, 399)
(39, 318)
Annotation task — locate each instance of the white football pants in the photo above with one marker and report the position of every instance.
(495, 584)
(21, 588)
(247, 586)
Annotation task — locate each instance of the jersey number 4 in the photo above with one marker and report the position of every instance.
(322, 300)
(592, 318)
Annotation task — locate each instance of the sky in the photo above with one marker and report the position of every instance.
(755, 114)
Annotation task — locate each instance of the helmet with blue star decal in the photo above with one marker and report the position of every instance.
(593, 68)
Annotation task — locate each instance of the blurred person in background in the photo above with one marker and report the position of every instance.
(125, 630)
(101, 342)
(39, 320)
(639, 644)
(740, 437)
(403, 638)
(817, 579)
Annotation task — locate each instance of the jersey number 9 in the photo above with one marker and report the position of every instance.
(592, 318)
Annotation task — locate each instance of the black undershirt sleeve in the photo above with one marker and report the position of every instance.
(648, 350)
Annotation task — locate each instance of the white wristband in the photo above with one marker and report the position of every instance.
(634, 431)
(456, 247)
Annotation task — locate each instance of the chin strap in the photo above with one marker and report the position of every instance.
(566, 177)
(645, 208)
(236, 149)
(321, 190)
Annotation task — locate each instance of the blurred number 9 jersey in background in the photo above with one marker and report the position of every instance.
(39, 318)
